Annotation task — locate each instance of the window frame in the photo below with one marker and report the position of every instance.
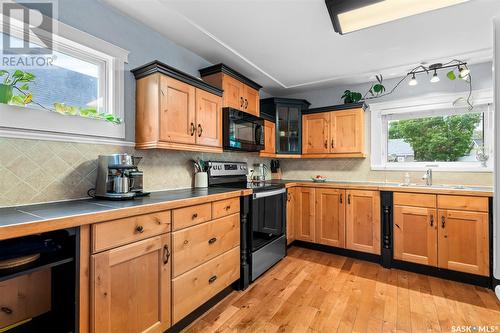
(33, 123)
(381, 112)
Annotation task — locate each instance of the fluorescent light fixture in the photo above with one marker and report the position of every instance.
(352, 15)
(413, 81)
(463, 72)
(435, 77)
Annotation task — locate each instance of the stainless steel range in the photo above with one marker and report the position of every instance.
(263, 218)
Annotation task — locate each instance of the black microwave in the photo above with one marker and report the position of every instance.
(242, 131)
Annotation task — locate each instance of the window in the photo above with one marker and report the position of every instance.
(73, 91)
(411, 135)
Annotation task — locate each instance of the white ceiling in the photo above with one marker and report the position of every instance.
(289, 46)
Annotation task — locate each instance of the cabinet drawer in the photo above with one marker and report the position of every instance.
(459, 202)
(188, 216)
(225, 207)
(24, 297)
(114, 233)
(415, 199)
(192, 289)
(195, 245)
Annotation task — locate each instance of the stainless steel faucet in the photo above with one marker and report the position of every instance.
(428, 177)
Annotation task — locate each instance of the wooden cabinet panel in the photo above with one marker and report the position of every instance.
(330, 217)
(196, 245)
(208, 119)
(251, 100)
(114, 233)
(192, 289)
(192, 215)
(315, 133)
(463, 241)
(462, 202)
(347, 131)
(131, 287)
(415, 234)
(233, 92)
(269, 139)
(225, 207)
(415, 199)
(363, 221)
(290, 214)
(305, 214)
(177, 111)
(24, 297)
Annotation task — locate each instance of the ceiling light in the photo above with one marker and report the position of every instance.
(435, 77)
(352, 15)
(413, 81)
(463, 72)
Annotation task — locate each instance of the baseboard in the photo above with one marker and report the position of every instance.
(340, 251)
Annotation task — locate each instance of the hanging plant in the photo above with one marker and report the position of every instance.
(375, 90)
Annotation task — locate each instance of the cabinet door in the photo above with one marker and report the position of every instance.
(233, 93)
(208, 119)
(131, 287)
(290, 214)
(463, 241)
(251, 100)
(330, 217)
(177, 111)
(315, 133)
(269, 138)
(347, 131)
(415, 235)
(363, 221)
(304, 214)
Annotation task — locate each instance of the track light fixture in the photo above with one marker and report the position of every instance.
(435, 77)
(413, 81)
(463, 72)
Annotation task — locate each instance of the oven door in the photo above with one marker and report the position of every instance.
(242, 131)
(268, 216)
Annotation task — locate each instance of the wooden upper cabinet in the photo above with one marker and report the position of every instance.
(363, 221)
(347, 131)
(208, 119)
(240, 92)
(176, 111)
(131, 287)
(463, 241)
(304, 214)
(269, 139)
(415, 234)
(316, 133)
(330, 217)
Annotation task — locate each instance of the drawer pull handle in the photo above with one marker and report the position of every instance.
(6, 310)
(193, 129)
(195, 215)
(212, 240)
(348, 199)
(139, 229)
(443, 220)
(432, 220)
(340, 197)
(166, 254)
(228, 207)
(212, 279)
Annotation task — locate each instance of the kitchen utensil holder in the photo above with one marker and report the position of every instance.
(201, 179)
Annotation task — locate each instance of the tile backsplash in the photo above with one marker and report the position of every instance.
(33, 171)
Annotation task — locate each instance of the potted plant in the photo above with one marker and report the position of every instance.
(18, 80)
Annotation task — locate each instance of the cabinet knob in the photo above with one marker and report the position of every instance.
(333, 143)
(326, 143)
(166, 254)
(212, 240)
(212, 279)
(443, 221)
(246, 103)
(432, 220)
(228, 207)
(139, 229)
(193, 129)
(348, 199)
(195, 215)
(6, 310)
(241, 102)
(200, 130)
(340, 197)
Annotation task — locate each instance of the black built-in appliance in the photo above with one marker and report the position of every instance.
(263, 218)
(242, 131)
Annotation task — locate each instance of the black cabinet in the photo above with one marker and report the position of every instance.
(286, 113)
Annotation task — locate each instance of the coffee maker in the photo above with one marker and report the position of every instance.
(118, 177)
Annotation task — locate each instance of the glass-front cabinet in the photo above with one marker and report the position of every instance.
(286, 113)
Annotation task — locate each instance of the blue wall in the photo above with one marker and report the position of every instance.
(143, 43)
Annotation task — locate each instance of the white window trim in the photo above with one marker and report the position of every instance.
(25, 122)
(379, 111)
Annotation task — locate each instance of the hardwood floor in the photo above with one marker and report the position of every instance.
(311, 291)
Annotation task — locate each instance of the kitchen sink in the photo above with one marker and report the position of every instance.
(439, 186)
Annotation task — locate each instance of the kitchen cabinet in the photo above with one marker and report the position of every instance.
(305, 214)
(176, 111)
(330, 217)
(287, 114)
(333, 134)
(269, 139)
(240, 92)
(363, 221)
(140, 272)
(290, 214)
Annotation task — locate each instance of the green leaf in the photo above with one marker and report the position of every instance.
(356, 97)
(3, 72)
(18, 74)
(24, 87)
(17, 100)
(451, 75)
(378, 88)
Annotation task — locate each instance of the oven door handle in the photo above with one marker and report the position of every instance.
(268, 193)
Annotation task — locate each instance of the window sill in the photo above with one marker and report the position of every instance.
(471, 169)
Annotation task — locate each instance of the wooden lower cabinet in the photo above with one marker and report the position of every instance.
(415, 234)
(130, 289)
(330, 217)
(290, 215)
(363, 221)
(305, 214)
(463, 243)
